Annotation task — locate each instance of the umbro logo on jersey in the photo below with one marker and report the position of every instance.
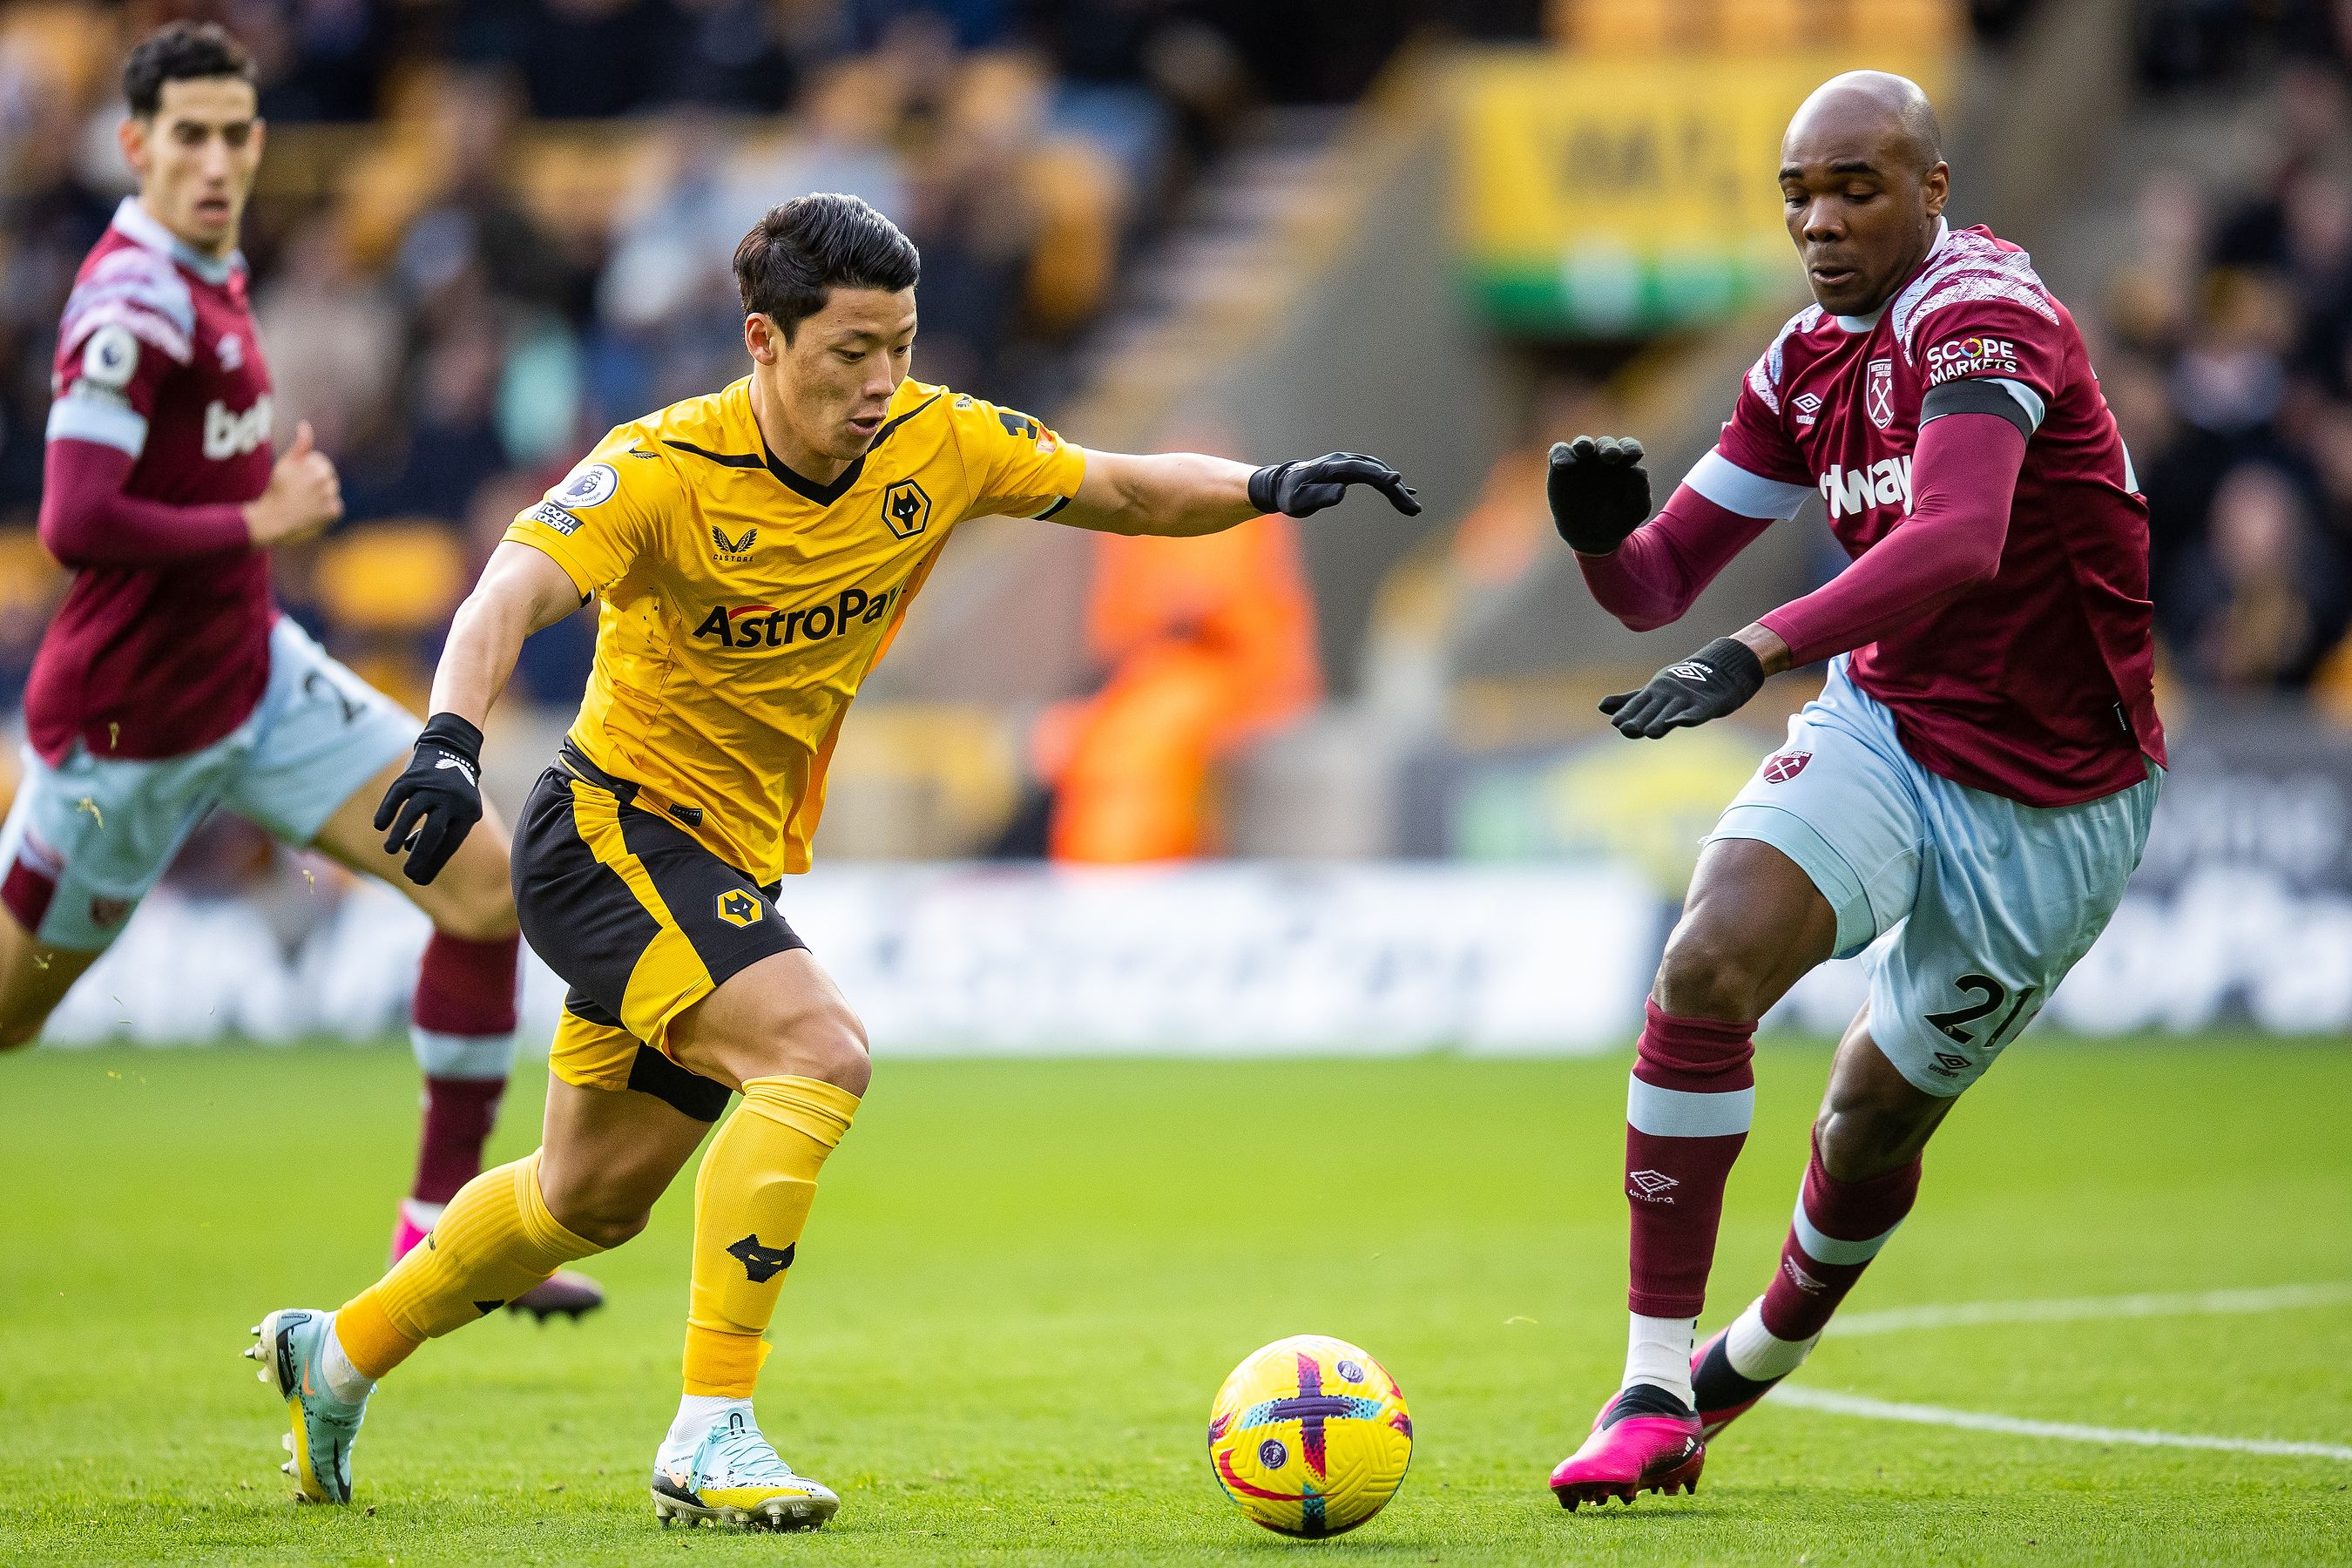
(765, 626)
(736, 550)
(1652, 1186)
(906, 509)
(1946, 1065)
(738, 907)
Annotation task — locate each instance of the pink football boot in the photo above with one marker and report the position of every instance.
(1644, 1440)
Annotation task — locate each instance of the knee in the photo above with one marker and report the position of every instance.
(1861, 1137)
(1713, 972)
(595, 1212)
(483, 911)
(827, 1043)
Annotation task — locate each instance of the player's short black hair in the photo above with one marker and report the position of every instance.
(804, 248)
(183, 51)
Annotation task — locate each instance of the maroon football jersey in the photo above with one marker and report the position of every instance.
(157, 357)
(2038, 684)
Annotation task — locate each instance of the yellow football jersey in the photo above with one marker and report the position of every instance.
(744, 604)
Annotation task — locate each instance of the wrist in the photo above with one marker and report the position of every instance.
(1262, 483)
(453, 734)
(1772, 651)
(1735, 661)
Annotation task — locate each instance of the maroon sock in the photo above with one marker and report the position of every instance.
(1687, 1114)
(1838, 1230)
(462, 1024)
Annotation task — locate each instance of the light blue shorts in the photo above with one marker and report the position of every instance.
(103, 830)
(1997, 900)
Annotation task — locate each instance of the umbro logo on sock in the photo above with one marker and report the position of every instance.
(1800, 1279)
(761, 1264)
(1652, 1186)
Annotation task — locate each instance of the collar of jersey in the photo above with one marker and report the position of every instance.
(144, 226)
(800, 484)
(1865, 323)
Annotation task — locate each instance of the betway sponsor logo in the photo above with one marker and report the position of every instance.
(228, 435)
(1886, 483)
(766, 626)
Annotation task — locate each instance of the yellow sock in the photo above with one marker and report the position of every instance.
(751, 1200)
(495, 1241)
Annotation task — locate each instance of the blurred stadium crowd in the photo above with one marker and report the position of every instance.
(486, 230)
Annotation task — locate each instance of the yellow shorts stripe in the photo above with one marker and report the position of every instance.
(670, 976)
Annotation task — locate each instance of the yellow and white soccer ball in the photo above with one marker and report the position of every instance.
(1310, 1437)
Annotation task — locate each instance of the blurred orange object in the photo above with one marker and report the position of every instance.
(1209, 644)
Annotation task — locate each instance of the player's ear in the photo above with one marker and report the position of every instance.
(760, 338)
(132, 137)
(1939, 188)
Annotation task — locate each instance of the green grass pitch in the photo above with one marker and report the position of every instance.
(1024, 1280)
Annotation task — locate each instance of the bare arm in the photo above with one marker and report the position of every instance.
(1171, 494)
(521, 590)
(1177, 495)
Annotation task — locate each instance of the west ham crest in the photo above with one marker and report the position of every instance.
(1783, 766)
(1878, 393)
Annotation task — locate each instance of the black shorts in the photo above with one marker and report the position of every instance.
(640, 920)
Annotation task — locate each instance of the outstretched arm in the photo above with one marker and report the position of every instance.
(436, 801)
(1964, 474)
(1181, 494)
(1648, 576)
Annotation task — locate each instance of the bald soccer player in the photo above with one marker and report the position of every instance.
(1980, 770)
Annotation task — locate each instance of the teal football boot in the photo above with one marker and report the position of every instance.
(288, 1344)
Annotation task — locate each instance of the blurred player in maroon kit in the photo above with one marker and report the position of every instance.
(169, 683)
(1979, 772)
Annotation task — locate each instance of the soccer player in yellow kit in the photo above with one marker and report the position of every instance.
(754, 550)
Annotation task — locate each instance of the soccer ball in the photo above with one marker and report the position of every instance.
(1309, 1436)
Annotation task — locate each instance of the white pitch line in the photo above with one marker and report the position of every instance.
(1962, 1314)
(2068, 1431)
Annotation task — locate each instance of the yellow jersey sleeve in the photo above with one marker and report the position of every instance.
(606, 514)
(1017, 467)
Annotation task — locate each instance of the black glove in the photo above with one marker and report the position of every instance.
(1599, 491)
(436, 800)
(1710, 683)
(1309, 484)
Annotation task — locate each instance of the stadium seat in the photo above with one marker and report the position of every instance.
(1625, 26)
(397, 577)
(1759, 26)
(1907, 24)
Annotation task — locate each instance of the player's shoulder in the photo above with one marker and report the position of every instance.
(1970, 268)
(1770, 371)
(124, 283)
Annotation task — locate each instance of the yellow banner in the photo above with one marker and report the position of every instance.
(1643, 187)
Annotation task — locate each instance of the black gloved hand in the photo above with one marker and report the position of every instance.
(437, 799)
(1309, 484)
(1599, 491)
(1710, 683)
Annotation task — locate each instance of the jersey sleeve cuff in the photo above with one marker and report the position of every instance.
(104, 424)
(524, 532)
(1734, 488)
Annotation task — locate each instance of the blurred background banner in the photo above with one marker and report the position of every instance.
(1332, 785)
(1608, 196)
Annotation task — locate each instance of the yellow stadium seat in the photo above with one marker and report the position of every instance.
(29, 579)
(1763, 26)
(1908, 24)
(1626, 27)
(401, 577)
